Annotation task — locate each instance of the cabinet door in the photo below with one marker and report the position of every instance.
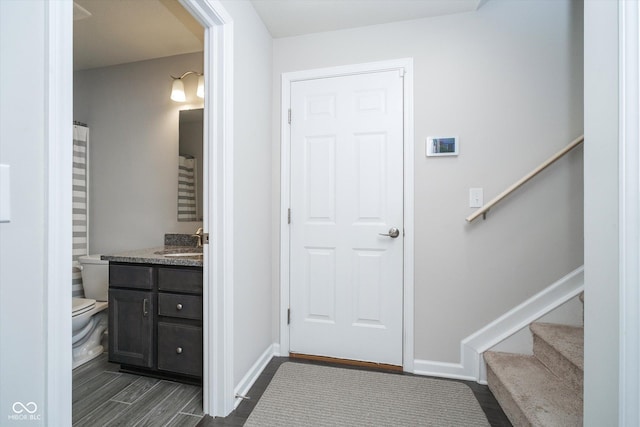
(131, 327)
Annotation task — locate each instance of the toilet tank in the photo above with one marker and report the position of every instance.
(95, 277)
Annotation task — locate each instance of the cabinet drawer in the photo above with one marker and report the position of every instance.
(180, 348)
(182, 306)
(180, 280)
(130, 276)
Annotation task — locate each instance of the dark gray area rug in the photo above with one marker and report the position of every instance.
(310, 395)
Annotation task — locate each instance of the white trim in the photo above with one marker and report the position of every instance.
(218, 390)
(409, 257)
(58, 137)
(276, 349)
(629, 90)
(253, 374)
(441, 369)
(471, 366)
(405, 64)
(517, 318)
(285, 199)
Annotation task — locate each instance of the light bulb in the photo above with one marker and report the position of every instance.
(177, 91)
(200, 91)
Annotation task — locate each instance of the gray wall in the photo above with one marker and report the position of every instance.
(22, 131)
(601, 215)
(133, 166)
(23, 248)
(252, 187)
(507, 80)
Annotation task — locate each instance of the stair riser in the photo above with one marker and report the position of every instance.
(558, 364)
(504, 398)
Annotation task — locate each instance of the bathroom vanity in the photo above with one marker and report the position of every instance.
(155, 314)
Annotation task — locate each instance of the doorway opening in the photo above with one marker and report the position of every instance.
(218, 137)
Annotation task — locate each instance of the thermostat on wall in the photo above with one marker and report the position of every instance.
(442, 146)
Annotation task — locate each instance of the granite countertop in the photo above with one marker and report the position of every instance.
(157, 256)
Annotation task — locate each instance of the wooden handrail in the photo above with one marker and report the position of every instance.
(484, 209)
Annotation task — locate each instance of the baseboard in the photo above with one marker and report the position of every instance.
(441, 369)
(471, 366)
(250, 378)
(276, 350)
(517, 318)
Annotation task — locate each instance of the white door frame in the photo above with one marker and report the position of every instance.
(218, 387)
(629, 208)
(217, 379)
(404, 66)
(58, 135)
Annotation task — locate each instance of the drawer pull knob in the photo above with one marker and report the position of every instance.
(179, 306)
(179, 350)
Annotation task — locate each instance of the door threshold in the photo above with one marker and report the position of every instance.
(347, 362)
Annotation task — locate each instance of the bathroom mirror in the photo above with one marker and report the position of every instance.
(190, 165)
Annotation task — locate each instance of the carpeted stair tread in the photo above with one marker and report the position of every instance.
(529, 393)
(566, 340)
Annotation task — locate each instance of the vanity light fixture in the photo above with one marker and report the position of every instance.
(177, 89)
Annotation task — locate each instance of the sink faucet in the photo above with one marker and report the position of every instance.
(199, 232)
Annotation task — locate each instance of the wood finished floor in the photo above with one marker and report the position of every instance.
(237, 418)
(102, 396)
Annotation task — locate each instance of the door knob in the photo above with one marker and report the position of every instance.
(393, 233)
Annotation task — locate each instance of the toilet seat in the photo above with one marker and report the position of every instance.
(82, 305)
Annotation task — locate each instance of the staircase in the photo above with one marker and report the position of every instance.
(544, 389)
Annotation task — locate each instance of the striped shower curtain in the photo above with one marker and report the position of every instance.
(80, 204)
(186, 189)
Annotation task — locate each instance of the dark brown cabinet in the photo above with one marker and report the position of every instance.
(180, 348)
(155, 319)
(131, 337)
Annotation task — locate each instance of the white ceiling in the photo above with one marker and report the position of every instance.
(122, 31)
(285, 18)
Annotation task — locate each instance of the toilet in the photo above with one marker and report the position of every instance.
(89, 314)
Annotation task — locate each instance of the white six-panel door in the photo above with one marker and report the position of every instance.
(346, 284)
